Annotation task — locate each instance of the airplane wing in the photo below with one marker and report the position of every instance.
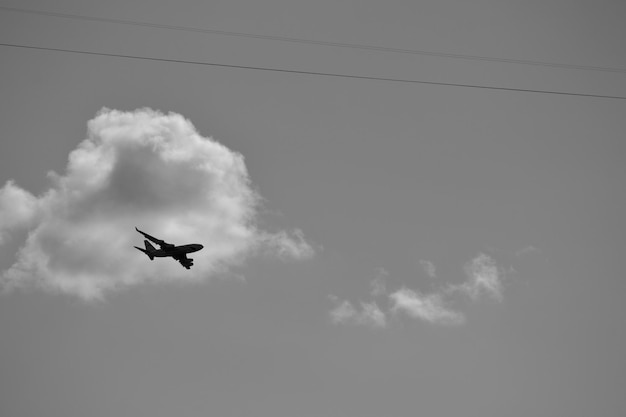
(184, 261)
(163, 244)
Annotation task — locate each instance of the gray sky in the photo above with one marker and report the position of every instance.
(461, 249)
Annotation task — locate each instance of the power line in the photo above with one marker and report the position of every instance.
(301, 72)
(314, 42)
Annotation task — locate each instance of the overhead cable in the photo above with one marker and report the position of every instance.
(315, 73)
(314, 42)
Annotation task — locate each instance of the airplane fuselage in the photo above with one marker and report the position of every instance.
(177, 250)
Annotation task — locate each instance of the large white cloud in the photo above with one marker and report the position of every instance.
(17, 209)
(141, 168)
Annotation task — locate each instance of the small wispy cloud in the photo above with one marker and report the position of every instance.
(343, 311)
(483, 278)
(285, 245)
(526, 250)
(378, 285)
(427, 307)
(369, 313)
(429, 268)
(139, 168)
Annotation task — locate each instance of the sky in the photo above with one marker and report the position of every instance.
(370, 247)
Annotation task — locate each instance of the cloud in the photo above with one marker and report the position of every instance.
(369, 314)
(524, 251)
(141, 168)
(429, 307)
(483, 278)
(285, 245)
(429, 268)
(378, 286)
(372, 314)
(17, 209)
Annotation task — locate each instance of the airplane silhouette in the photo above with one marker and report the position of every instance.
(167, 249)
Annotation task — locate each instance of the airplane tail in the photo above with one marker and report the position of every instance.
(149, 250)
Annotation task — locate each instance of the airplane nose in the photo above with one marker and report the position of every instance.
(199, 246)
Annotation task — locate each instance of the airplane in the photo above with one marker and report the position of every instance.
(167, 249)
